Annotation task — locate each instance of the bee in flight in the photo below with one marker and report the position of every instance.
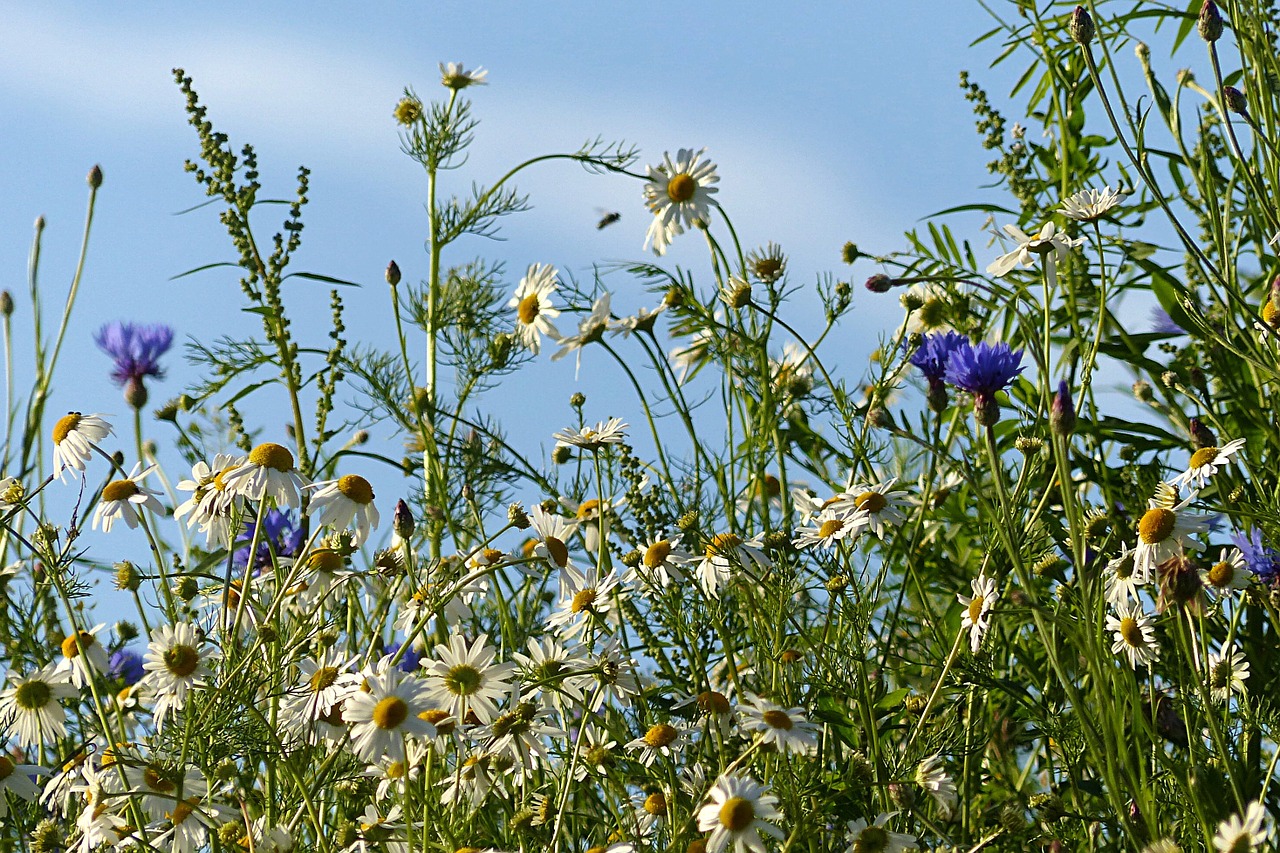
(607, 218)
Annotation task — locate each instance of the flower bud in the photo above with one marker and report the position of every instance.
(1142, 391)
(1028, 445)
(1235, 100)
(562, 454)
(125, 631)
(517, 516)
(1201, 435)
(95, 177)
(1081, 26)
(1062, 413)
(850, 253)
(879, 283)
(1209, 24)
(986, 411)
(937, 396)
(578, 400)
(393, 274)
(127, 576)
(402, 520)
(135, 393)
(6, 303)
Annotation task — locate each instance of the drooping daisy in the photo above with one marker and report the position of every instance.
(590, 329)
(642, 321)
(832, 525)
(737, 810)
(30, 708)
(679, 195)
(1205, 462)
(874, 838)
(74, 436)
(662, 562)
(786, 729)
(532, 301)
(651, 812)
(211, 502)
(1227, 672)
(341, 501)
(1049, 242)
(1229, 574)
(322, 684)
(553, 532)
(386, 713)
(587, 600)
(18, 780)
(269, 472)
(1163, 532)
(94, 660)
(159, 786)
(1123, 579)
(465, 678)
(177, 660)
(1239, 834)
(929, 307)
(661, 740)
(123, 499)
(454, 76)
(592, 438)
(1135, 636)
(933, 777)
(976, 618)
(725, 553)
(1089, 205)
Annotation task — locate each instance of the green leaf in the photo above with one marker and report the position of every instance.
(327, 279)
(202, 269)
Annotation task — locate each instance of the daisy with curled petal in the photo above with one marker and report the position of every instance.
(1123, 578)
(651, 812)
(342, 501)
(177, 661)
(1205, 462)
(679, 194)
(30, 707)
(1229, 574)
(592, 438)
(1164, 532)
(587, 599)
(864, 837)
(737, 810)
(1089, 205)
(661, 740)
(933, 777)
(93, 660)
(74, 436)
(1239, 834)
(786, 729)
(322, 683)
(590, 329)
(123, 499)
(269, 472)
(17, 779)
(976, 618)
(465, 678)
(386, 713)
(211, 502)
(832, 525)
(454, 76)
(1048, 242)
(877, 506)
(532, 301)
(1227, 672)
(724, 553)
(641, 321)
(595, 753)
(553, 533)
(1135, 635)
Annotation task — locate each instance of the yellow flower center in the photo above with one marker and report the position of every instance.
(1124, 569)
(325, 560)
(490, 556)
(975, 608)
(119, 490)
(1156, 525)
(71, 649)
(65, 426)
(437, 717)
(872, 502)
(777, 720)
(463, 680)
(390, 712)
(219, 481)
(272, 456)
(181, 660)
(183, 810)
(656, 554)
(157, 780)
(681, 187)
(873, 839)
(588, 509)
(1222, 574)
(584, 600)
(324, 677)
(528, 309)
(6, 768)
(1203, 457)
(1270, 313)
(737, 814)
(397, 770)
(696, 846)
(660, 735)
(656, 804)
(713, 702)
(356, 488)
(830, 528)
(556, 550)
(33, 695)
(722, 544)
(1131, 632)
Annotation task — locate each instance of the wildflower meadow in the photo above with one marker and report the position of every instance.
(1013, 584)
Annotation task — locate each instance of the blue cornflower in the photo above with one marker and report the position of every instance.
(126, 666)
(982, 370)
(136, 350)
(1162, 323)
(280, 533)
(1260, 559)
(934, 353)
(408, 663)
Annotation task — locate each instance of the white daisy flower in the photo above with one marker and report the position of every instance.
(1205, 462)
(386, 713)
(590, 329)
(1227, 672)
(1229, 574)
(806, 504)
(268, 472)
(864, 837)
(933, 777)
(1123, 578)
(472, 780)
(550, 669)
(1239, 834)
(84, 666)
(661, 740)
(931, 315)
(193, 821)
(1089, 205)
(679, 195)
(341, 501)
(831, 526)
(74, 436)
(211, 503)
(725, 553)
(592, 438)
(30, 708)
(454, 76)
(641, 321)
(614, 672)
(737, 810)
(976, 618)
(1163, 532)
(532, 301)
(394, 776)
(877, 506)
(786, 729)
(520, 736)
(650, 812)
(1048, 242)
(159, 787)
(595, 753)
(663, 562)
(176, 661)
(124, 499)
(1135, 635)
(553, 533)
(16, 779)
(586, 601)
(322, 684)
(792, 375)
(466, 678)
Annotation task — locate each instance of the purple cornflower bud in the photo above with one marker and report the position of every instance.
(1081, 26)
(402, 521)
(879, 283)
(1209, 24)
(982, 370)
(136, 351)
(1062, 413)
(1201, 435)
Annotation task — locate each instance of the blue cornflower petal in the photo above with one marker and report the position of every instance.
(934, 352)
(135, 349)
(1260, 559)
(984, 369)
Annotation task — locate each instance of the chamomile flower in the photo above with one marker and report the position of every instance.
(534, 310)
(651, 811)
(1226, 673)
(394, 776)
(1048, 242)
(17, 779)
(30, 708)
(193, 820)
(930, 317)
(159, 786)
(521, 735)
(454, 76)
(386, 713)
(615, 676)
(933, 777)
(553, 533)
(865, 838)
(124, 499)
(725, 553)
(661, 740)
(322, 683)
(1164, 531)
(590, 329)
(74, 436)
(1205, 462)
(976, 618)
(1239, 834)
(176, 662)
(641, 321)
(679, 194)
(587, 599)
(595, 753)
(1089, 205)
(662, 562)
(464, 678)
(786, 729)
(93, 660)
(1135, 636)
(1229, 574)
(831, 526)
(344, 500)
(1123, 578)
(737, 810)
(211, 502)
(269, 472)
(877, 506)
(592, 438)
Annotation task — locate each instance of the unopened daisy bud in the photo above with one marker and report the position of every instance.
(230, 834)
(518, 518)
(1081, 26)
(688, 521)
(1201, 435)
(910, 300)
(1142, 391)
(126, 632)
(578, 400)
(500, 349)
(674, 297)
(880, 418)
(1169, 379)
(1028, 445)
(776, 541)
(186, 588)
(408, 111)
(402, 521)
(393, 274)
(881, 283)
(167, 412)
(1143, 53)
(849, 253)
(46, 837)
(562, 454)
(95, 177)
(903, 796)
(1234, 100)
(1209, 24)
(632, 558)
(859, 769)
(521, 821)
(127, 576)
(1237, 495)
(1062, 413)
(6, 303)
(837, 583)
